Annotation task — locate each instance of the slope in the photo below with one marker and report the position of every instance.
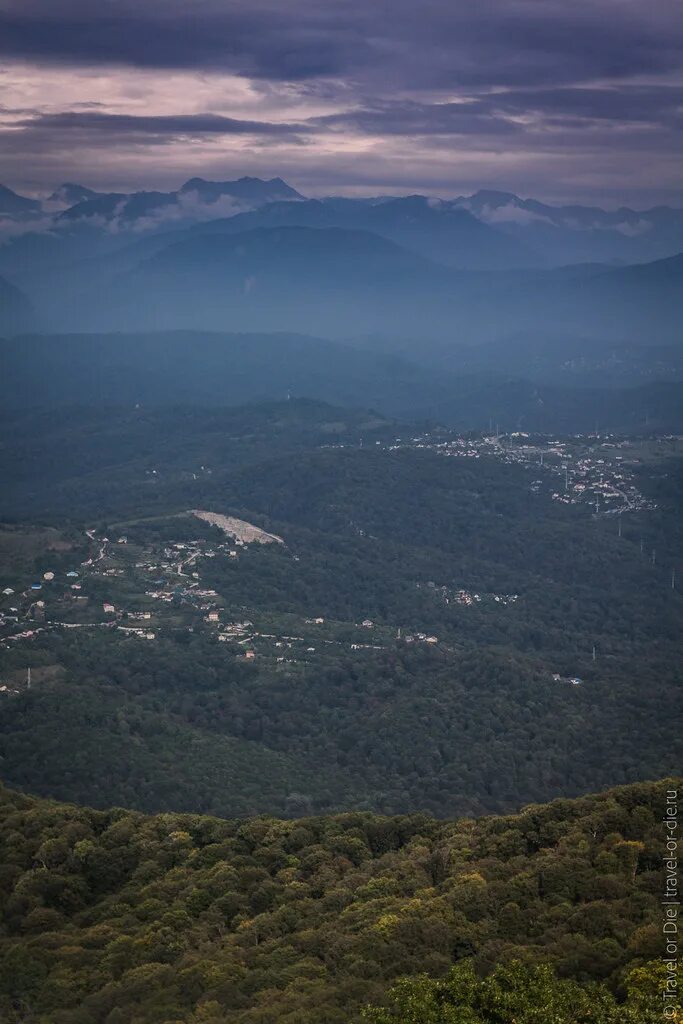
(436, 231)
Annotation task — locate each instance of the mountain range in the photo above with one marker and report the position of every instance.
(195, 200)
(72, 202)
(463, 285)
(490, 228)
(441, 232)
(342, 283)
(576, 234)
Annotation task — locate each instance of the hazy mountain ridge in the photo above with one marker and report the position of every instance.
(446, 235)
(426, 277)
(16, 311)
(337, 282)
(212, 369)
(576, 233)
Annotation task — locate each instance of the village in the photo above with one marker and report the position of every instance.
(148, 590)
(593, 471)
(140, 586)
(145, 590)
(143, 581)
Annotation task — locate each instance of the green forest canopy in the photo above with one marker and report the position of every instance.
(112, 917)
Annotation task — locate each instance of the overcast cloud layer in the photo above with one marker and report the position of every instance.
(550, 98)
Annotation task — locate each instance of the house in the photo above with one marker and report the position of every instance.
(212, 617)
(575, 681)
(72, 574)
(108, 609)
(8, 591)
(367, 623)
(249, 655)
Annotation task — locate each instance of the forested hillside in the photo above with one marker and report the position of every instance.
(411, 643)
(111, 917)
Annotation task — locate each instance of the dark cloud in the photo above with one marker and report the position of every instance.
(624, 103)
(519, 112)
(579, 87)
(256, 41)
(433, 43)
(473, 117)
(174, 125)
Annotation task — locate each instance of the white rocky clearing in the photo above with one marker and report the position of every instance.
(237, 528)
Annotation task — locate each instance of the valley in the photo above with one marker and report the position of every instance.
(417, 590)
(341, 512)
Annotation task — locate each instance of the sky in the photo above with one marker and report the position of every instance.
(557, 99)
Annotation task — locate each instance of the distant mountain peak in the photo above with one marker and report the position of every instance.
(416, 201)
(12, 203)
(193, 183)
(492, 197)
(71, 192)
(246, 187)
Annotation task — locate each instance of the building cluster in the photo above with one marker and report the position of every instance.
(458, 595)
(573, 680)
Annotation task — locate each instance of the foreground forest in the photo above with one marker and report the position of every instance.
(112, 917)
